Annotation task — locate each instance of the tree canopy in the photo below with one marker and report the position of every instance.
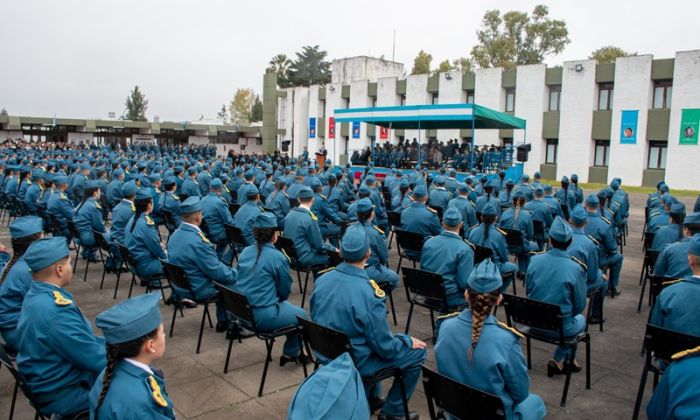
(280, 65)
(241, 106)
(136, 106)
(608, 54)
(421, 64)
(310, 67)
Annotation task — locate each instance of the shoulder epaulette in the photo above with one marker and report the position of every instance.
(536, 252)
(670, 282)
(323, 196)
(469, 243)
(595, 241)
(313, 216)
(378, 292)
(579, 262)
(60, 300)
(63, 196)
(149, 221)
(378, 230)
(511, 329)
(501, 231)
(431, 209)
(97, 205)
(175, 196)
(654, 198)
(656, 213)
(156, 392)
(289, 260)
(684, 353)
(324, 271)
(133, 207)
(615, 203)
(605, 219)
(446, 316)
(204, 238)
(285, 194)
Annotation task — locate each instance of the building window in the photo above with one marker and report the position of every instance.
(507, 142)
(403, 100)
(322, 109)
(470, 96)
(602, 153)
(434, 98)
(374, 102)
(662, 94)
(554, 97)
(657, 155)
(510, 100)
(605, 96)
(551, 151)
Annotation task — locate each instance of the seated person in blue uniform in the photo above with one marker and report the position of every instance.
(300, 226)
(542, 213)
(488, 235)
(130, 388)
(488, 198)
(190, 187)
(660, 217)
(191, 250)
(334, 391)
(60, 207)
(439, 196)
(673, 232)
(169, 201)
(517, 218)
(678, 393)
(141, 238)
(346, 299)
(675, 307)
(336, 199)
(88, 217)
(376, 264)
(216, 215)
(242, 190)
(403, 197)
(566, 197)
(122, 213)
(451, 257)
(505, 196)
(328, 219)
(278, 202)
(555, 277)
(551, 201)
(245, 216)
(475, 349)
(465, 206)
(362, 192)
(673, 260)
(34, 192)
(418, 218)
(263, 277)
(16, 278)
(58, 356)
(601, 230)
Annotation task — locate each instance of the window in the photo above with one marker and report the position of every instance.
(322, 109)
(434, 98)
(602, 153)
(657, 155)
(551, 151)
(554, 97)
(510, 100)
(403, 100)
(374, 102)
(662, 94)
(507, 141)
(470, 96)
(605, 96)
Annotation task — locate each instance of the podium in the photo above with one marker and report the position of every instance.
(320, 159)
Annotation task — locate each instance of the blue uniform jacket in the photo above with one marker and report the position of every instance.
(61, 208)
(675, 307)
(278, 202)
(244, 218)
(496, 240)
(677, 395)
(216, 214)
(420, 219)
(122, 213)
(12, 293)
(557, 279)
(467, 209)
(264, 282)
(170, 202)
(32, 198)
(190, 188)
(667, 235)
(673, 261)
(301, 227)
(143, 243)
(450, 256)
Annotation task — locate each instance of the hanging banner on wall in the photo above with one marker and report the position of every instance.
(331, 128)
(383, 133)
(690, 125)
(356, 129)
(628, 127)
(312, 127)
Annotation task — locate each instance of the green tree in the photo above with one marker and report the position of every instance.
(136, 106)
(280, 65)
(608, 54)
(421, 64)
(443, 67)
(3, 113)
(222, 114)
(256, 112)
(310, 67)
(463, 64)
(241, 106)
(518, 38)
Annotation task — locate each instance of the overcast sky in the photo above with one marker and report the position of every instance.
(80, 58)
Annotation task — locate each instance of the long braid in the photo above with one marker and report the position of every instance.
(262, 236)
(487, 222)
(19, 246)
(141, 207)
(481, 305)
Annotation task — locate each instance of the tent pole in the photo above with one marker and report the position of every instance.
(419, 156)
(471, 150)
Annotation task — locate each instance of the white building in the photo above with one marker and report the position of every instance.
(573, 113)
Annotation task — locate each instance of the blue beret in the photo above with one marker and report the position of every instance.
(155, 177)
(677, 208)
(37, 174)
(61, 180)
(592, 200)
(579, 215)
(525, 177)
(143, 194)
(518, 194)
(332, 177)
(26, 226)
(85, 167)
(128, 189)
(250, 174)
(216, 184)
(615, 184)
(692, 219)
(489, 210)
(538, 191)
(306, 193)
(91, 183)
(169, 180)
(369, 179)
(439, 180)
(668, 200)
(574, 178)
(191, 170)
(355, 243)
(453, 171)
(364, 191)
(238, 171)
(364, 205)
(560, 230)
(663, 188)
(333, 391)
(315, 183)
(191, 205)
(117, 173)
(141, 165)
(44, 252)
(462, 188)
(452, 217)
(419, 191)
(265, 220)
(485, 277)
(536, 175)
(547, 189)
(252, 191)
(130, 319)
(509, 182)
(564, 179)
(694, 246)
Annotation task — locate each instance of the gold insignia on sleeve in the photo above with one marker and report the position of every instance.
(511, 329)
(204, 238)
(579, 262)
(684, 353)
(289, 260)
(133, 207)
(149, 221)
(155, 392)
(378, 292)
(60, 300)
(378, 230)
(313, 216)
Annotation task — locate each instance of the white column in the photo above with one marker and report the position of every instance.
(530, 103)
(451, 93)
(359, 99)
(417, 94)
(334, 146)
(301, 120)
(488, 92)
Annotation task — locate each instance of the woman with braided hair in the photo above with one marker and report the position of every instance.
(263, 277)
(129, 388)
(517, 218)
(141, 237)
(16, 278)
(488, 235)
(475, 349)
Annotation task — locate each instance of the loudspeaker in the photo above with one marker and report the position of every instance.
(285, 145)
(523, 150)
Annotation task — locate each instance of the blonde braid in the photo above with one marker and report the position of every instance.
(481, 305)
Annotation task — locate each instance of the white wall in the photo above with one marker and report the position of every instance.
(348, 70)
(632, 92)
(489, 93)
(531, 96)
(5, 134)
(76, 138)
(682, 168)
(578, 97)
(335, 146)
(314, 111)
(451, 93)
(359, 99)
(386, 96)
(417, 94)
(300, 131)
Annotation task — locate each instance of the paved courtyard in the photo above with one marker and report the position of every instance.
(200, 390)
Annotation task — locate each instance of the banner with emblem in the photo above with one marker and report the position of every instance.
(312, 127)
(628, 127)
(331, 127)
(383, 133)
(690, 125)
(355, 129)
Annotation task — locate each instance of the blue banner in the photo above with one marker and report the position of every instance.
(312, 127)
(356, 129)
(628, 127)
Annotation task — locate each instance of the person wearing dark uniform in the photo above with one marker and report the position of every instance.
(346, 299)
(601, 229)
(58, 356)
(465, 207)
(673, 260)
(377, 263)
(678, 392)
(672, 233)
(141, 238)
(488, 235)
(300, 226)
(475, 349)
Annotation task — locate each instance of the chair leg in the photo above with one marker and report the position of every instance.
(408, 321)
(268, 344)
(391, 304)
(211, 325)
(391, 237)
(14, 400)
(588, 363)
(301, 351)
(102, 282)
(529, 358)
(301, 289)
(641, 294)
(402, 387)
(432, 326)
(306, 285)
(228, 354)
(201, 327)
(172, 323)
(640, 393)
(568, 368)
(398, 267)
(131, 286)
(87, 264)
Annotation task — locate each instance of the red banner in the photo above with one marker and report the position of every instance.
(331, 127)
(383, 133)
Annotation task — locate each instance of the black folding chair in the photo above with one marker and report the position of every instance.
(661, 344)
(75, 234)
(204, 228)
(330, 343)
(439, 211)
(514, 240)
(395, 223)
(647, 240)
(650, 257)
(532, 318)
(459, 400)
(169, 220)
(104, 248)
(538, 233)
(233, 208)
(481, 253)
(411, 242)
(152, 282)
(239, 306)
(286, 245)
(235, 239)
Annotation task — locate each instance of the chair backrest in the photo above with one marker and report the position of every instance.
(325, 341)
(101, 241)
(650, 257)
(394, 218)
(424, 283)
(126, 256)
(6, 360)
(176, 276)
(73, 229)
(335, 258)
(293, 202)
(233, 208)
(458, 399)
(234, 236)
(514, 237)
(287, 245)
(648, 239)
(481, 253)
(532, 313)
(236, 303)
(665, 343)
(183, 197)
(538, 228)
(204, 228)
(439, 211)
(409, 241)
(169, 221)
(657, 284)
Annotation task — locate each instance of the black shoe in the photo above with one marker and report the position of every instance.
(595, 320)
(239, 332)
(614, 292)
(412, 415)
(187, 303)
(221, 326)
(376, 404)
(575, 368)
(553, 369)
